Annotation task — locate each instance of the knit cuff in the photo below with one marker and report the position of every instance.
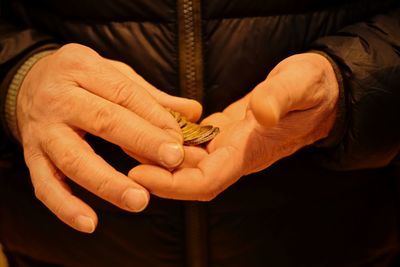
(10, 104)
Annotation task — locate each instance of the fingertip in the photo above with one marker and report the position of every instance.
(79, 216)
(171, 154)
(85, 224)
(135, 199)
(55, 194)
(189, 108)
(197, 110)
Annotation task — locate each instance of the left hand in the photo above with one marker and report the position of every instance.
(294, 107)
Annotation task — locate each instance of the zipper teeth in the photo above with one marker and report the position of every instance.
(190, 49)
(190, 54)
(191, 86)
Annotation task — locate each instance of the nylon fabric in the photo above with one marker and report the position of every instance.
(331, 207)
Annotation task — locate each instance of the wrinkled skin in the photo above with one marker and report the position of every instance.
(295, 106)
(75, 91)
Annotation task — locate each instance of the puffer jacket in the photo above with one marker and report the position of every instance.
(332, 204)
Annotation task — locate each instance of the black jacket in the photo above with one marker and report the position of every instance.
(330, 204)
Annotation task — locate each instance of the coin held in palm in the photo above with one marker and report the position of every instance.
(194, 134)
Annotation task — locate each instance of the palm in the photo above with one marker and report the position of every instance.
(254, 146)
(292, 108)
(241, 134)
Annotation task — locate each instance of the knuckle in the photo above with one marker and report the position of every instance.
(103, 120)
(103, 187)
(49, 141)
(41, 191)
(122, 66)
(75, 49)
(47, 144)
(74, 57)
(316, 75)
(314, 72)
(141, 144)
(70, 160)
(59, 208)
(72, 47)
(31, 154)
(124, 93)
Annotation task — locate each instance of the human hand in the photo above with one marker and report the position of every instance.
(294, 107)
(75, 91)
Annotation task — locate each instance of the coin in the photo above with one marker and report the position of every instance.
(194, 134)
(203, 139)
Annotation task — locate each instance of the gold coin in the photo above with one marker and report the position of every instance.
(205, 138)
(204, 131)
(194, 134)
(190, 129)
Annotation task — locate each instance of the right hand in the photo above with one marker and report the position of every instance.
(75, 91)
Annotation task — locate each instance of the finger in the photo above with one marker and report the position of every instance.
(95, 74)
(218, 119)
(193, 156)
(202, 183)
(57, 197)
(138, 157)
(237, 110)
(190, 108)
(75, 158)
(282, 93)
(122, 127)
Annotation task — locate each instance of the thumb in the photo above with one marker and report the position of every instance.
(278, 95)
(189, 108)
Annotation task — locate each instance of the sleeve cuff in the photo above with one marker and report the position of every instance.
(11, 85)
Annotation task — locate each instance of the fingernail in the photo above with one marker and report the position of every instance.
(135, 199)
(85, 224)
(171, 154)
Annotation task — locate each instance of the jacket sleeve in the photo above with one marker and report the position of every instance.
(17, 43)
(368, 56)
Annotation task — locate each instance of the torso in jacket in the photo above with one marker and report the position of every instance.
(295, 213)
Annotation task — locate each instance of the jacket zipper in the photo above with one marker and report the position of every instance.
(190, 49)
(191, 86)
